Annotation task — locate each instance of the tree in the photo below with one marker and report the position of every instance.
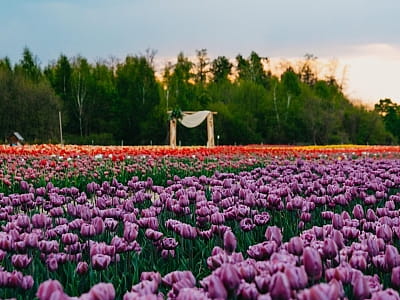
(307, 72)
(29, 65)
(139, 97)
(202, 66)
(221, 69)
(79, 82)
(390, 113)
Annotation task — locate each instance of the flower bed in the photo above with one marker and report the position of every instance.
(201, 225)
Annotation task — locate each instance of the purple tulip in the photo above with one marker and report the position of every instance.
(51, 289)
(273, 233)
(330, 249)
(87, 230)
(131, 231)
(392, 257)
(229, 276)
(27, 282)
(295, 246)
(361, 288)
(102, 291)
(297, 277)
(216, 288)
(229, 242)
(82, 268)
(21, 261)
(395, 278)
(312, 263)
(100, 261)
(279, 287)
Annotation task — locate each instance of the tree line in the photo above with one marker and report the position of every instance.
(126, 102)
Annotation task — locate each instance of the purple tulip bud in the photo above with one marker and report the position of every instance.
(330, 248)
(229, 241)
(82, 268)
(273, 233)
(87, 230)
(395, 278)
(392, 257)
(229, 276)
(280, 287)
(216, 288)
(69, 238)
(295, 246)
(337, 221)
(358, 261)
(361, 288)
(27, 282)
(297, 277)
(385, 232)
(312, 263)
(131, 231)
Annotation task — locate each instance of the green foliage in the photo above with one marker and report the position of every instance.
(124, 102)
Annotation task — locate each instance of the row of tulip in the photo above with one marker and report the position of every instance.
(120, 152)
(290, 229)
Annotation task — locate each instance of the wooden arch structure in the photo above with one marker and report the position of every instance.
(210, 126)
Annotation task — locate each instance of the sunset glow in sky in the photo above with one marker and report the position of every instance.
(361, 35)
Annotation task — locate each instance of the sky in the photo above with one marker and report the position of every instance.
(361, 36)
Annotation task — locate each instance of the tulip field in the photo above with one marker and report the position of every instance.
(253, 222)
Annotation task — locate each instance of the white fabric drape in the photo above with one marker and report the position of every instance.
(193, 120)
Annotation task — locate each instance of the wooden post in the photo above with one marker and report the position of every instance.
(172, 133)
(210, 130)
